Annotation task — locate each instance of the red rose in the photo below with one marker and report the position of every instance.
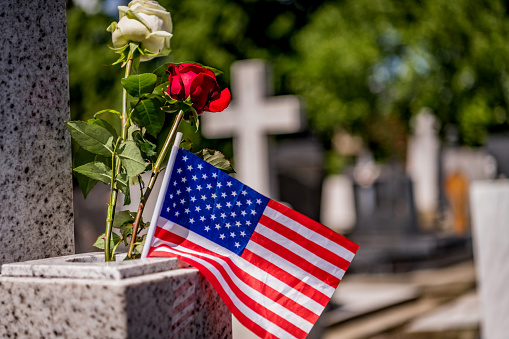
(199, 83)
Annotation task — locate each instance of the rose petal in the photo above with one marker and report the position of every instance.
(175, 88)
(202, 88)
(221, 103)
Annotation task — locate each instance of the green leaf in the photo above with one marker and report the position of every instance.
(81, 157)
(186, 144)
(106, 125)
(93, 138)
(112, 117)
(139, 85)
(149, 115)
(147, 148)
(101, 240)
(131, 158)
(126, 230)
(161, 74)
(161, 89)
(122, 183)
(140, 243)
(96, 170)
(216, 159)
(123, 217)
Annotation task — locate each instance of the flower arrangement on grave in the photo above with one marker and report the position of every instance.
(117, 147)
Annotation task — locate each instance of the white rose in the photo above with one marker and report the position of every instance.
(146, 22)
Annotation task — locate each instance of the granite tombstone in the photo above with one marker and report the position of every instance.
(36, 209)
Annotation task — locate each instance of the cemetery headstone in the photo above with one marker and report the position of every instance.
(338, 205)
(252, 115)
(490, 218)
(79, 296)
(422, 164)
(36, 209)
(497, 146)
(298, 162)
(460, 166)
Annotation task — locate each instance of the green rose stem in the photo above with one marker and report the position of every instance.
(116, 169)
(155, 172)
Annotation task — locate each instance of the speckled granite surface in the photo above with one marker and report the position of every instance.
(178, 303)
(36, 215)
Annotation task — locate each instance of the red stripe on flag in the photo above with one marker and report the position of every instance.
(311, 246)
(254, 327)
(295, 259)
(285, 277)
(313, 225)
(249, 280)
(248, 301)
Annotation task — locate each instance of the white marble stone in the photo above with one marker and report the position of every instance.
(159, 298)
(36, 208)
(490, 217)
(338, 203)
(458, 315)
(252, 115)
(422, 162)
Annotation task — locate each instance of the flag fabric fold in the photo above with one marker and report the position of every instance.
(274, 268)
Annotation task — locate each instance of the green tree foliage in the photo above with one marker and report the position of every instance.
(364, 66)
(368, 66)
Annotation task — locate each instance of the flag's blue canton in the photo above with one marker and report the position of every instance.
(211, 203)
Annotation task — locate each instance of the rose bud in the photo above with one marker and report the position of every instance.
(146, 22)
(199, 83)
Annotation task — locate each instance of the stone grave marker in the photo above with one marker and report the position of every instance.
(75, 296)
(338, 204)
(36, 209)
(490, 218)
(252, 115)
(497, 146)
(422, 164)
(298, 161)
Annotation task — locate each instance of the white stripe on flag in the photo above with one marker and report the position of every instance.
(300, 251)
(308, 233)
(289, 267)
(247, 267)
(254, 294)
(247, 311)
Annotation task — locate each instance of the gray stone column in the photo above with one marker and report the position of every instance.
(36, 211)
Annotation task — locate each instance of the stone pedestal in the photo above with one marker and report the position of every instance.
(36, 212)
(489, 202)
(81, 297)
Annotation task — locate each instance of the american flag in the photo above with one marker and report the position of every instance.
(273, 267)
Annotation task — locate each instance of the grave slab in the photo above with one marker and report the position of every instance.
(156, 298)
(357, 299)
(36, 218)
(490, 218)
(459, 315)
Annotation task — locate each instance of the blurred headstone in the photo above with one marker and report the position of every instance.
(384, 199)
(298, 161)
(422, 164)
(338, 203)
(462, 164)
(497, 145)
(490, 218)
(36, 211)
(252, 115)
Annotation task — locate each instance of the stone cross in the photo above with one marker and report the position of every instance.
(251, 116)
(36, 205)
